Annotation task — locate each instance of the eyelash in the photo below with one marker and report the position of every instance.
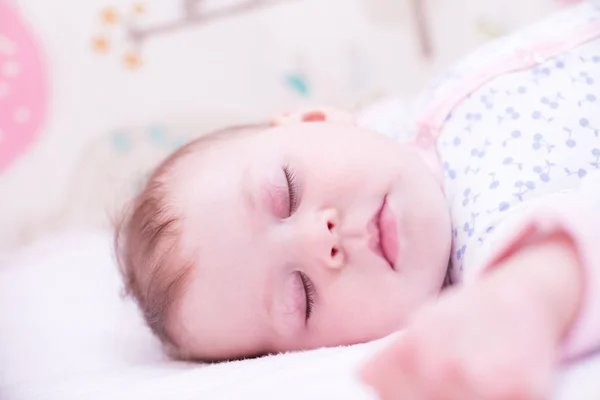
(309, 290)
(290, 176)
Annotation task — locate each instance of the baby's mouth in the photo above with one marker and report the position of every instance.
(383, 240)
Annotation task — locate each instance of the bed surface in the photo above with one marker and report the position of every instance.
(68, 334)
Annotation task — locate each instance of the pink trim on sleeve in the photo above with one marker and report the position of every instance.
(579, 216)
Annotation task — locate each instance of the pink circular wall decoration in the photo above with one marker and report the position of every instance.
(23, 86)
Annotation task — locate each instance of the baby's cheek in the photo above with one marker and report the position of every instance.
(383, 301)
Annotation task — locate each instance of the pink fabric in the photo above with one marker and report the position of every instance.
(23, 87)
(432, 122)
(579, 216)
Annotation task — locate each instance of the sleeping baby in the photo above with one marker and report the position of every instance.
(477, 240)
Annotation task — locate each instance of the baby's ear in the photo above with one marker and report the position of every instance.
(313, 114)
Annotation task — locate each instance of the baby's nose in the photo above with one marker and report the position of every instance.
(330, 245)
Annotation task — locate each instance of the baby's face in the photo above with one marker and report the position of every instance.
(305, 236)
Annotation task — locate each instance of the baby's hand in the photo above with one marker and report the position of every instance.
(484, 342)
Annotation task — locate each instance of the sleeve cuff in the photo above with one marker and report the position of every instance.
(577, 215)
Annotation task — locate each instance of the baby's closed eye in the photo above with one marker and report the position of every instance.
(284, 193)
(298, 298)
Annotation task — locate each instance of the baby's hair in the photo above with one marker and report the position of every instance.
(146, 242)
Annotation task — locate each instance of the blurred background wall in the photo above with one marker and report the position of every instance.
(94, 93)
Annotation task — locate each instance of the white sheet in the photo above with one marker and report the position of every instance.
(65, 333)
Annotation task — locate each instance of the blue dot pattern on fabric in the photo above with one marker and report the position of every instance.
(519, 137)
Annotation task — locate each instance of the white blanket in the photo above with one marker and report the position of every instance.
(66, 333)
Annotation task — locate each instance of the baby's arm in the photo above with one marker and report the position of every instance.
(494, 340)
(547, 273)
(503, 336)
